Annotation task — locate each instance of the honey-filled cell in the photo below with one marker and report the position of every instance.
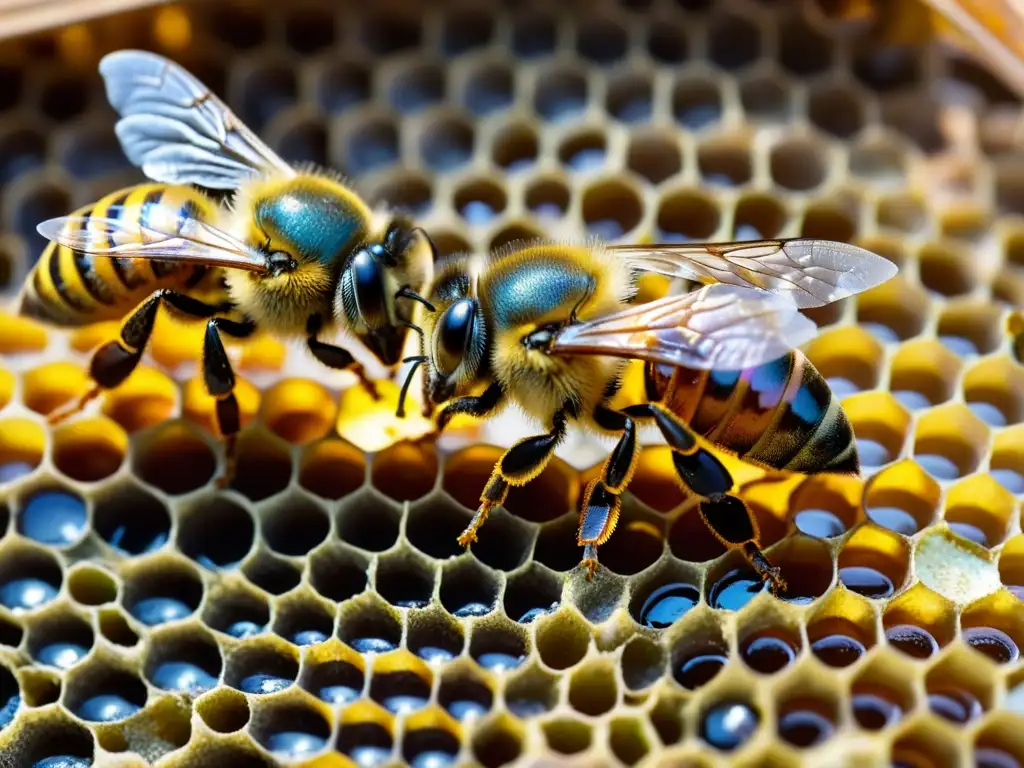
(319, 607)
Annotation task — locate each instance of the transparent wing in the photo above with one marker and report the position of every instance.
(176, 130)
(721, 327)
(811, 273)
(187, 240)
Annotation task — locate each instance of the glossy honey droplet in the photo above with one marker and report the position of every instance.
(667, 604)
(699, 667)
(912, 640)
(955, 704)
(767, 654)
(57, 518)
(27, 594)
(866, 581)
(729, 725)
(988, 757)
(184, 677)
(295, 744)
(107, 708)
(895, 519)
(838, 648)
(263, 684)
(61, 655)
(819, 523)
(994, 643)
(972, 533)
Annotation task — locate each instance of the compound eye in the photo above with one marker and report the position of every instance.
(368, 279)
(454, 332)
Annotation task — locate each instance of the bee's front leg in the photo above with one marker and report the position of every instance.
(518, 465)
(219, 377)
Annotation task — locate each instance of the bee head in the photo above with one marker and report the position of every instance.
(377, 290)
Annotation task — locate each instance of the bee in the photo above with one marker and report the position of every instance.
(550, 327)
(295, 254)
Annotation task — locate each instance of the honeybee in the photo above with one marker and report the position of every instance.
(296, 253)
(550, 327)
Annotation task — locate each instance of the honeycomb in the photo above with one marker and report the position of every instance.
(320, 612)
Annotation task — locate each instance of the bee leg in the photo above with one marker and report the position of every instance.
(728, 518)
(473, 406)
(601, 500)
(114, 362)
(337, 358)
(517, 466)
(219, 378)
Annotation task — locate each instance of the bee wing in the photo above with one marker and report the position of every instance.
(176, 130)
(721, 327)
(187, 240)
(994, 29)
(811, 273)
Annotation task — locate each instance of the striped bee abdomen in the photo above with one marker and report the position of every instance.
(781, 414)
(70, 288)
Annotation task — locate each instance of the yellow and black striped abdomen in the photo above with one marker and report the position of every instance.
(781, 414)
(69, 288)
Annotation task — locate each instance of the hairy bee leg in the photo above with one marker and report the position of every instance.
(727, 516)
(219, 377)
(341, 360)
(114, 362)
(473, 406)
(601, 502)
(517, 466)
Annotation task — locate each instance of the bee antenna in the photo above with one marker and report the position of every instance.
(416, 361)
(413, 327)
(408, 293)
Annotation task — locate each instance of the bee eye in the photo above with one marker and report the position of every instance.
(454, 332)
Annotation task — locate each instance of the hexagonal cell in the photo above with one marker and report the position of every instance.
(698, 655)
(533, 34)
(114, 627)
(404, 471)
(515, 146)
(826, 505)
(367, 521)
(917, 119)
(290, 730)
(174, 458)
(147, 398)
(262, 666)
(216, 513)
(22, 149)
(239, 611)
(294, 525)
(365, 737)
(887, 68)
(768, 641)
(56, 740)
(404, 579)
(90, 449)
(264, 91)
(802, 50)
(567, 736)
(593, 689)
(332, 469)
(630, 97)
(370, 143)
(369, 625)
(561, 93)
(837, 109)
(238, 25)
(51, 515)
(531, 693)
(999, 743)
(950, 442)
(946, 270)
(807, 709)
(841, 629)
(430, 738)
(902, 498)
(766, 98)
(336, 678)
(272, 574)
(30, 577)
(498, 742)
(59, 638)
(49, 386)
(696, 103)
(894, 311)
(416, 85)
(308, 30)
(161, 589)
(468, 589)
(64, 97)
(91, 585)
(479, 201)
(654, 155)
(882, 160)
(919, 622)
(338, 572)
(799, 164)
(583, 151)
(643, 664)
(131, 520)
(690, 539)
(994, 627)
(924, 373)
(874, 562)
(880, 425)
(303, 619)
(806, 566)
(464, 30)
(733, 42)
(498, 644)
(883, 692)
(465, 694)
(547, 198)
(223, 710)
(531, 593)
(611, 208)
(435, 635)
(725, 161)
(341, 85)
(602, 41)
(979, 509)
(100, 692)
(731, 583)
(563, 641)
(400, 683)
(758, 216)
(184, 660)
(727, 724)
(638, 541)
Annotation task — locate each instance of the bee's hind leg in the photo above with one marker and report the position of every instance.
(601, 500)
(115, 361)
(518, 465)
(337, 358)
(219, 377)
(728, 518)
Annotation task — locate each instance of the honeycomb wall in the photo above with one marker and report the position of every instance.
(319, 611)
